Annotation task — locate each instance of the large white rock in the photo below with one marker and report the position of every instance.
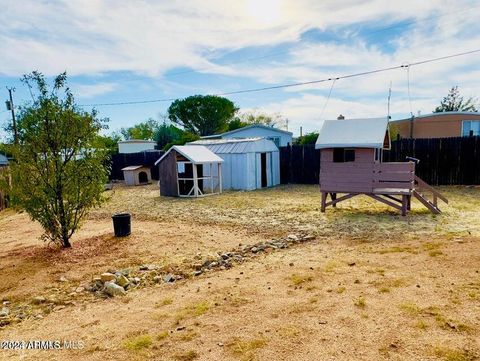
(112, 289)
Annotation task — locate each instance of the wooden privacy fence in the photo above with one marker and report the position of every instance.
(3, 196)
(123, 160)
(443, 161)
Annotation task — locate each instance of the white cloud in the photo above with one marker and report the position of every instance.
(152, 37)
(92, 90)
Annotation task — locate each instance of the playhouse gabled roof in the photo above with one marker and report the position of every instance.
(240, 145)
(194, 153)
(354, 133)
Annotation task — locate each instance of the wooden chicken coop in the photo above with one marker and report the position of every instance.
(190, 171)
(351, 164)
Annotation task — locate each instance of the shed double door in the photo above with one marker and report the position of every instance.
(263, 169)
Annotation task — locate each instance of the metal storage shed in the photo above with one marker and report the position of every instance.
(250, 163)
(189, 171)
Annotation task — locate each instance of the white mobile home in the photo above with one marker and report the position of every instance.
(249, 163)
(280, 137)
(135, 146)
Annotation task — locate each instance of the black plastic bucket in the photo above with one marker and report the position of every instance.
(121, 224)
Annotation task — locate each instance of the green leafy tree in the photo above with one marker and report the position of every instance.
(269, 120)
(185, 138)
(109, 143)
(309, 138)
(144, 130)
(236, 123)
(202, 115)
(167, 133)
(59, 172)
(455, 102)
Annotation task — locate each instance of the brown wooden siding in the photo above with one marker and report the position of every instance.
(349, 176)
(168, 175)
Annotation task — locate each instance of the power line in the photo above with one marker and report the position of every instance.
(290, 85)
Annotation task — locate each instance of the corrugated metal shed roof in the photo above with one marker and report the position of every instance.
(195, 154)
(243, 145)
(357, 133)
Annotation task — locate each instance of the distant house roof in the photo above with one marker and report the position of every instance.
(244, 128)
(134, 167)
(3, 160)
(467, 114)
(195, 154)
(242, 145)
(136, 141)
(357, 133)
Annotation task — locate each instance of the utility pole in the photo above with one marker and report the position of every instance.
(389, 97)
(11, 107)
(301, 131)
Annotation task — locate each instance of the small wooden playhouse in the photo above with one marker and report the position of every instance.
(351, 164)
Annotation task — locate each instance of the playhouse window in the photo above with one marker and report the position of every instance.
(342, 155)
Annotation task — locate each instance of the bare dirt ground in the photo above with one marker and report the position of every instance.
(372, 286)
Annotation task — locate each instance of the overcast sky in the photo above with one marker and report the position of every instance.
(120, 51)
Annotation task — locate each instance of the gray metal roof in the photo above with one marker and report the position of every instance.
(3, 160)
(214, 136)
(242, 145)
(195, 154)
(356, 133)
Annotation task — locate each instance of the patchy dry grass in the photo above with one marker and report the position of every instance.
(360, 302)
(245, 349)
(190, 311)
(449, 354)
(186, 355)
(137, 343)
(165, 302)
(291, 207)
(298, 279)
(365, 280)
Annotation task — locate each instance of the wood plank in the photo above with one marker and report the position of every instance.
(333, 202)
(406, 185)
(345, 189)
(349, 165)
(383, 200)
(395, 167)
(426, 203)
(347, 178)
(398, 177)
(392, 191)
(423, 185)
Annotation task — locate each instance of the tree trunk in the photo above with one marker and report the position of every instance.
(66, 242)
